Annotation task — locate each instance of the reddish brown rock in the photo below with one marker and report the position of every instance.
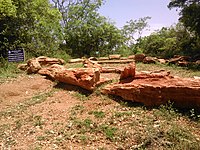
(51, 70)
(162, 61)
(197, 62)
(184, 93)
(183, 63)
(114, 57)
(150, 60)
(178, 58)
(22, 67)
(86, 78)
(77, 60)
(91, 64)
(111, 70)
(43, 60)
(153, 74)
(33, 66)
(128, 72)
(139, 57)
(124, 58)
(131, 57)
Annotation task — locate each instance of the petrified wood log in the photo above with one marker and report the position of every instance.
(51, 70)
(86, 78)
(35, 64)
(128, 72)
(43, 60)
(114, 57)
(183, 92)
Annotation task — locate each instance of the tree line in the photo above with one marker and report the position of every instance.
(76, 28)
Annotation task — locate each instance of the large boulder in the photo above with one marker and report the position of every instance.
(183, 92)
(86, 78)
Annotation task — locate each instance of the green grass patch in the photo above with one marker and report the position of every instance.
(174, 70)
(74, 65)
(81, 96)
(8, 70)
(97, 114)
(108, 131)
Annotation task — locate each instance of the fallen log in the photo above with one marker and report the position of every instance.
(86, 78)
(182, 92)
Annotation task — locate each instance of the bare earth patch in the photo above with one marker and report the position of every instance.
(21, 89)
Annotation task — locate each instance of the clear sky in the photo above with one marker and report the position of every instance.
(121, 11)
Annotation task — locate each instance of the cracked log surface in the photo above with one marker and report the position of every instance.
(156, 91)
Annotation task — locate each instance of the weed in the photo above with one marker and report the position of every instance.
(77, 109)
(97, 114)
(167, 111)
(38, 121)
(80, 96)
(8, 70)
(83, 139)
(194, 114)
(109, 131)
(41, 138)
(84, 125)
(181, 138)
(121, 114)
(36, 148)
(41, 97)
(18, 124)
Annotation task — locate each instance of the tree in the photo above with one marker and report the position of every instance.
(7, 9)
(167, 42)
(189, 14)
(86, 32)
(134, 27)
(32, 24)
(161, 43)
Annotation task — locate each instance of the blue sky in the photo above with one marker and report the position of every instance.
(121, 11)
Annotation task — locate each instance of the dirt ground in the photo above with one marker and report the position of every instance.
(37, 113)
(32, 106)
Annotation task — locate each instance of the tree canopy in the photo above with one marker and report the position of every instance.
(33, 24)
(85, 31)
(189, 14)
